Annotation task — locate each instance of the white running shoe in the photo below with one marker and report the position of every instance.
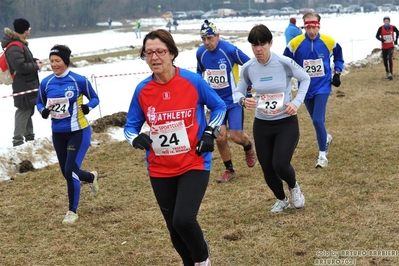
(329, 141)
(322, 162)
(94, 188)
(281, 205)
(297, 197)
(206, 262)
(70, 218)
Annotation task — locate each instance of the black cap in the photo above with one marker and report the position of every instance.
(21, 25)
(62, 51)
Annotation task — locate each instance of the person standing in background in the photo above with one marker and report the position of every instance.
(180, 142)
(109, 20)
(313, 52)
(61, 97)
(218, 62)
(26, 78)
(138, 32)
(292, 31)
(169, 25)
(175, 24)
(388, 35)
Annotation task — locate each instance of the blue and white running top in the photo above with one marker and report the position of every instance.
(220, 68)
(65, 94)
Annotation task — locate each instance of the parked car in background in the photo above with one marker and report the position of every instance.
(370, 7)
(195, 14)
(353, 9)
(210, 14)
(180, 15)
(251, 12)
(254, 12)
(235, 13)
(321, 10)
(333, 8)
(271, 12)
(225, 12)
(305, 10)
(244, 13)
(167, 14)
(287, 10)
(389, 8)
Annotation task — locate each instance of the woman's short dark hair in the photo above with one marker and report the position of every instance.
(165, 37)
(260, 34)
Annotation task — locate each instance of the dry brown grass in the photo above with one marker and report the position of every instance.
(351, 205)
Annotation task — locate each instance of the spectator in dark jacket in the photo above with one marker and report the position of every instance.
(175, 23)
(26, 79)
(169, 25)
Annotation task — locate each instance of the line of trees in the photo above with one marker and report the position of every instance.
(71, 15)
(47, 16)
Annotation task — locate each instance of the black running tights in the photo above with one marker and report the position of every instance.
(275, 142)
(179, 199)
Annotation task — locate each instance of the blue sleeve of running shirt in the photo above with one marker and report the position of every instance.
(41, 99)
(338, 58)
(198, 54)
(242, 57)
(90, 94)
(288, 53)
(213, 102)
(135, 117)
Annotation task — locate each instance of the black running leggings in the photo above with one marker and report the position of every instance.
(387, 57)
(179, 199)
(275, 142)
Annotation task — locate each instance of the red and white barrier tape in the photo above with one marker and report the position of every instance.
(19, 93)
(102, 76)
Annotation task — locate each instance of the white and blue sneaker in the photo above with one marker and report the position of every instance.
(280, 205)
(70, 218)
(322, 162)
(297, 197)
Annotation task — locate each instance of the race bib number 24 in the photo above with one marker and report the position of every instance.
(170, 139)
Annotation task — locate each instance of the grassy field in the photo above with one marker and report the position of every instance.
(349, 213)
